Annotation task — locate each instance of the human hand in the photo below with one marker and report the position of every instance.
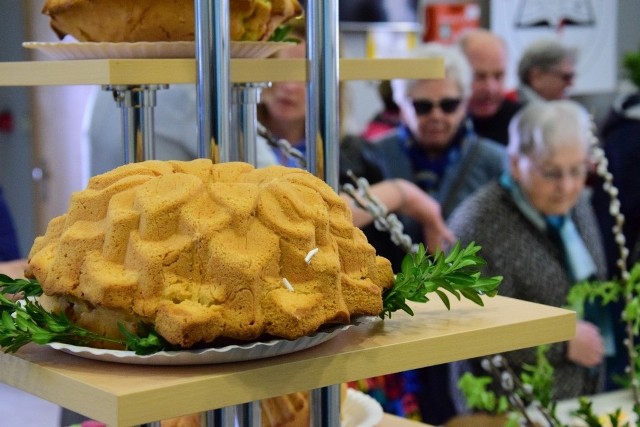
(14, 269)
(587, 347)
(426, 210)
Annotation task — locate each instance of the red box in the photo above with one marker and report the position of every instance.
(444, 22)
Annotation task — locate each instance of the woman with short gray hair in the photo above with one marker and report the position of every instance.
(537, 229)
(546, 71)
(455, 64)
(542, 129)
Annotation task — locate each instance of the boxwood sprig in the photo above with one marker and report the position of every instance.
(457, 273)
(25, 320)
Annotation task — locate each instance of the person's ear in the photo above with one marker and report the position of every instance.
(535, 73)
(514, 167)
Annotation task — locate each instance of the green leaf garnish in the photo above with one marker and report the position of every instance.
(457, 273)
(281, 34)
(25, 321)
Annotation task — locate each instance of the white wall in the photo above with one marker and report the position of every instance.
(58, 112)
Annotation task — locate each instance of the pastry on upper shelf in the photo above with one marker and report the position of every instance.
(290, 410)
(161, 20)
(206, 252)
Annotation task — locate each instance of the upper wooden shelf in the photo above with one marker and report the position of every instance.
(125, 395)
(167, 71)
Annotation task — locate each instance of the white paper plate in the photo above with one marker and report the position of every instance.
(85, 50)
(231, 353)
(360, 410)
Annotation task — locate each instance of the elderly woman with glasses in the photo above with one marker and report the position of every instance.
(537, 229)
(546, 71)
(437, 149)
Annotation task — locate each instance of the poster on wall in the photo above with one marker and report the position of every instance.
(587, 25)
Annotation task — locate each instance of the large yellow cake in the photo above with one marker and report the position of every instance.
(208, 251)
(161, 20)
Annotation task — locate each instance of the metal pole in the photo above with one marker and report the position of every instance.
(137, 105)
(322, 88)
(224, 417)
(243, 121)
(325, 406)
(323, 122)
(213, 87)
(249, 414)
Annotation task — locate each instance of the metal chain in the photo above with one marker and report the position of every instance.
(284, 146)
(382, 220)
(361, 196)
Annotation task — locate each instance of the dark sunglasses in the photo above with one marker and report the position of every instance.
(425, 106)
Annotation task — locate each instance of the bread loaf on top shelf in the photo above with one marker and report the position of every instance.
(161, 20)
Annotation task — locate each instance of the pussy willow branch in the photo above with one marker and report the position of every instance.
(602, 170)
(509, 382)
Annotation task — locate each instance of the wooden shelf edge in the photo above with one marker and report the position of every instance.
(123, 395)
(179, 71)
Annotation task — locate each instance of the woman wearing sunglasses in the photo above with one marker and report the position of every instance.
(537, 229)
(437, 149)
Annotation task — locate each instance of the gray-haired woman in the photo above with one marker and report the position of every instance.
(537, 229)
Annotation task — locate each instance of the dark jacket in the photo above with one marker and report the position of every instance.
(481, 160)
(621, 142)
(496, 127)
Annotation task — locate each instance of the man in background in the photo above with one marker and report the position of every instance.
(488, 108)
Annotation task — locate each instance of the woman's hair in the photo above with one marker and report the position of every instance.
(455, 64)
(540, 127)
(544, 54)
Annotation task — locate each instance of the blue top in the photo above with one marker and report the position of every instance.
(8, 239)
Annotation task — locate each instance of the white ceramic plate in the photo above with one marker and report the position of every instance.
(231, 353)
(85, 50)
(360, 410)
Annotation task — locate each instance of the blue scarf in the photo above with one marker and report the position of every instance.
(429, 171)
(577, 259)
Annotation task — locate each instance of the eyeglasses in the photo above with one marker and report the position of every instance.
(425, 106)
(566, 76)
(578, 172)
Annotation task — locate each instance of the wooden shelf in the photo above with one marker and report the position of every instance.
(125, 395)
(167, 71)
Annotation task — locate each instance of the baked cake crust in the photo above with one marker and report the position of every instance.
(206, 251)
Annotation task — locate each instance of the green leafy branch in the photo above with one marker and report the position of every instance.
(282, 34)
(24, 287)
(457, 273)
(25, 321)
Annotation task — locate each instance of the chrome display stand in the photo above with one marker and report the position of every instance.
(244, 132)
(212, 56)
(137, 105)
(227, 131)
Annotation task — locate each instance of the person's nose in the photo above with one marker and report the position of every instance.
(568, 183)
(494, 85)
